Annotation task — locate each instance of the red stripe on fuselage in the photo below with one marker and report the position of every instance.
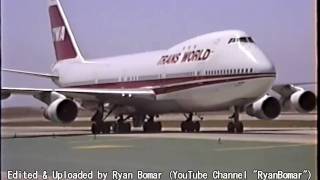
(161, 86)
(164, 90)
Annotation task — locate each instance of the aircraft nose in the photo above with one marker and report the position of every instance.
(259, 60)
(266, 66)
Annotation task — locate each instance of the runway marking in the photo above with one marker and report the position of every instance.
(103, 146)
(259, 147)
(101, 140)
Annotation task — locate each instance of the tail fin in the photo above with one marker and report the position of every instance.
(64, 42)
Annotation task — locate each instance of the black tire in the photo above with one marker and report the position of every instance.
(127, 127)
(106, 128)
(196, 126)
(122, 127)
(231, 127)
(94, 129)
(239, 127)
(190, 126)
(152, 127)
(158, 126)
(145, 127)
(183, 127)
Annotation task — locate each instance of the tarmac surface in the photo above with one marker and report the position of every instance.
(70, 149)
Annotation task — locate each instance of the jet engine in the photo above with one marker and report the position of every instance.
(302, 101)
(62, 110)
(267, 107)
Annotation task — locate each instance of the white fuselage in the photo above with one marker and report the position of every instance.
(206, 73)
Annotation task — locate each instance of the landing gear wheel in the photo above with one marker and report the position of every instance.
(231, 127)
(146, 127)
(183, 127)
(158, 126)
(106, 128)
(196, 126)
(239, 127)
(122, 127)
(152, 127)
(190, 126)
(94, 129)
(127, 127)
(236, 125)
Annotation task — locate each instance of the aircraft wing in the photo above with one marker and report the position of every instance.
(120, 96)
(286, 89)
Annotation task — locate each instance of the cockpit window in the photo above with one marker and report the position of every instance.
(231, 40)
(250, 39)
(241, 39)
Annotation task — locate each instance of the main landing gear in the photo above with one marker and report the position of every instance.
(121, 126)
(151, 126)
(98, 125)
(190, 126)
(235, 126)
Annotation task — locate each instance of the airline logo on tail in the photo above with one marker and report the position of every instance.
(58, 33)
(61, 34)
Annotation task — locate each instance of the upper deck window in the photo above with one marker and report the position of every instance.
(241, 39)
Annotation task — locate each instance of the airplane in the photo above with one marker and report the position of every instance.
(218, 71)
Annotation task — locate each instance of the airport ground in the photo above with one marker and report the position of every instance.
(288, 144)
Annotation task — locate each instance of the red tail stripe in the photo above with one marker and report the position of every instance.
(55, 17)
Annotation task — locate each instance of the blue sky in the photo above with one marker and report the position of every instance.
(284, 30)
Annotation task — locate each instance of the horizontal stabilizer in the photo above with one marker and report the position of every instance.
(43, 75)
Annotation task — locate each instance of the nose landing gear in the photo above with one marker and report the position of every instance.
(235, 126)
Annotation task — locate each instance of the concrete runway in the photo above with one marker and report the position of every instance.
(71, 149)
(293, 135)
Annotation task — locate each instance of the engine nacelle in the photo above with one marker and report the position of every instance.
(303, 101)
(62, 110)
(267, 107)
